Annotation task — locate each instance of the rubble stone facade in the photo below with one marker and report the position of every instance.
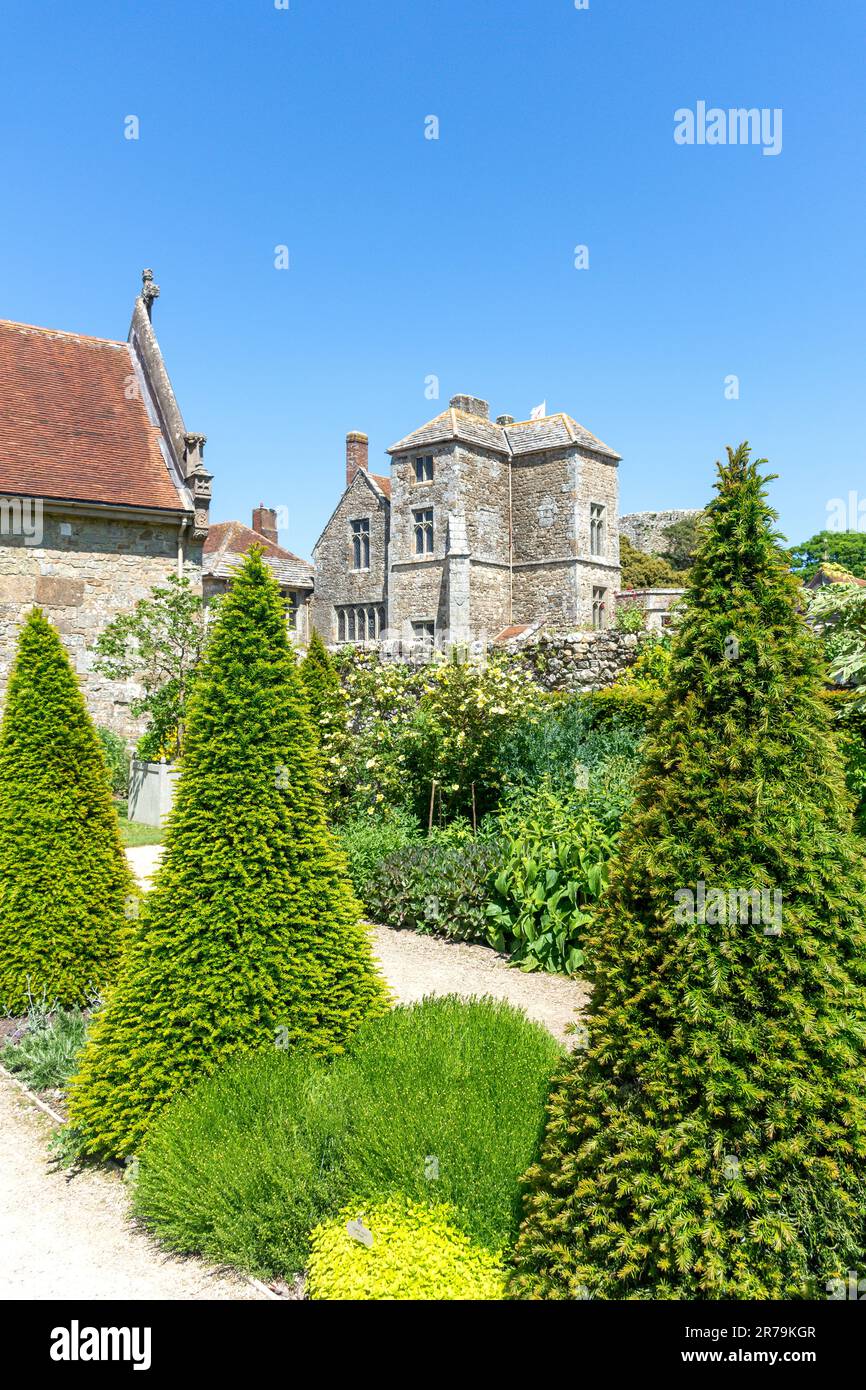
(483, 525)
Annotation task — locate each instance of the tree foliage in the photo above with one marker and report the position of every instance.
(159, 644)
(847, 549)
(64, 881)
(640, 571)
(251, 935)
(709, 1141)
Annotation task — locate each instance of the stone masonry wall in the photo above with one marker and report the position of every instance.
(578, 661)
(555, 571)
(82, 581)
(337, 583)
(646, 530)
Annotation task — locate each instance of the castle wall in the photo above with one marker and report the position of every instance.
(82, 581)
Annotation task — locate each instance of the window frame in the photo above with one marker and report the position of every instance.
(423, 531)
(359, 534)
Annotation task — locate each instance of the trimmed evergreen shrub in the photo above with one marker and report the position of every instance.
(251, 932)
(440, 1101)
(321, 681)
(399, 1250)
(710, 1141)
(63, 875)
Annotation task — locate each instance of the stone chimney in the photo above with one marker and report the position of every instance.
(471, 405)
(357, 446)
(265, 522)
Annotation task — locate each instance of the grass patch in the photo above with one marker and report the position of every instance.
(133, 832)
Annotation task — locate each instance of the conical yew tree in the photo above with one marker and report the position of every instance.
(710, 1142)
(64, 881)
(251, 936)
(321, 681)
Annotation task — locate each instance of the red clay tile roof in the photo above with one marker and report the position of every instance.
(67, 429)
(227, 539)
(384, 483)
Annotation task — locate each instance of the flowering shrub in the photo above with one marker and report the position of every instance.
(422, 738)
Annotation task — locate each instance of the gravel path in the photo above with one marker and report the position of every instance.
(417, 965)
(65, 1236)
(68, 1236)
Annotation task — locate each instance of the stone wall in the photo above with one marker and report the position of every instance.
(337, 582)
(82, 580)
(578, 661)
(646, 530)
(554, 569)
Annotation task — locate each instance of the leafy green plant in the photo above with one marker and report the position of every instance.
(399, 1250)
(630, 617)
(116, 755)
(367, 841)
(709, 1142)
(641, 571)
(434, 888)
(43, 1053)
(554, 857)
(562, 742)
(159, 645)
(440, 1102)
(64, 879)
(251, 931)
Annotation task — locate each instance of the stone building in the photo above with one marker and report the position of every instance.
(224, 550)
(103, 491)
(482, 526)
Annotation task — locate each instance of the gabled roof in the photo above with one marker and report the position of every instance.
(378, 485)
(384, 484)
(75, 423)
(229, 541)
(523, 437)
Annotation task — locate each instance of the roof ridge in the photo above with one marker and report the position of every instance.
(63, 333)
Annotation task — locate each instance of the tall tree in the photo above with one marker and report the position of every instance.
(251, 936)
(64, 881)
(710, 1141)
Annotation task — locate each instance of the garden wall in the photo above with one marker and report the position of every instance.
(577, 661)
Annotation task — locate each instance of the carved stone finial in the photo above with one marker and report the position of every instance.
(149, 291)
(195, 443)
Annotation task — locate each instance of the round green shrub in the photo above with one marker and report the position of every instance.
(440, 1101)
(412, 1252)
(238, 1170)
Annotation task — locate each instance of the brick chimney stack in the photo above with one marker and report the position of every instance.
(357, 446)
(265, 522)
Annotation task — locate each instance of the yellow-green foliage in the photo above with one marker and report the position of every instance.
(251, 936)
(64, 880)
(417, 1253)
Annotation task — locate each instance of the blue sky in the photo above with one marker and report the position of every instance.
(454, 257)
